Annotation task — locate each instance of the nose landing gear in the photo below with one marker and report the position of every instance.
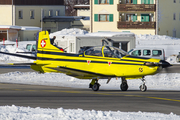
(143, 87)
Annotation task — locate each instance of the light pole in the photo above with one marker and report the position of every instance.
(12, 12)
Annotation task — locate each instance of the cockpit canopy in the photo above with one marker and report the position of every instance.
(106, 51)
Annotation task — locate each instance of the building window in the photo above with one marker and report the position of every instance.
(131, 17)
(31, 14)
(50, 13)
(20, 14)
(174, 33)
(145, 18)
(147, 1)
(103, 17)
(104, 2)
(131, 1)
(71, 47)
(174, 16)
(57, 12)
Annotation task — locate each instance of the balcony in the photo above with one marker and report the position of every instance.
(136, 7)
(136, 25)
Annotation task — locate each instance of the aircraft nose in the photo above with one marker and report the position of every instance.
(164, 64)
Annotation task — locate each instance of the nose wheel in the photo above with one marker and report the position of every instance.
(143, 87)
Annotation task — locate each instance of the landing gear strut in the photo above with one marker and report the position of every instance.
(94, 85)
(124, 85)
(143, 87)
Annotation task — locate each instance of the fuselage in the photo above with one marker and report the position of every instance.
(95, 66)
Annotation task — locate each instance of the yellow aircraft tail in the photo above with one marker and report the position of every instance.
(44, 43)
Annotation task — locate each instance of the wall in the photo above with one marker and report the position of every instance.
(166, 23)
(112, 26)
(26, 21)
(27, 35)
(83, 12)
(6, 14)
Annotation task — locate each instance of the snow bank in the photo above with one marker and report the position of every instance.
(154, 82)
(12, 48)
(72, 31)
(27, 113)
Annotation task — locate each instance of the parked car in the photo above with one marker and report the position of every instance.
(157, 53)
(31, 47)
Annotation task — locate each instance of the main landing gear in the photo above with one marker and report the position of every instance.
(94, 85)
(124, 85)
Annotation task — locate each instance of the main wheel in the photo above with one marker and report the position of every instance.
(95, 87)
(143, 88)
(124, 86)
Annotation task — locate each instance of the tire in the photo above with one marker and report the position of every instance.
(95, 87)
(124, 86)
(143, 88)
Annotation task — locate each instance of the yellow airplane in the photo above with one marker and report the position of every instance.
(101, 62)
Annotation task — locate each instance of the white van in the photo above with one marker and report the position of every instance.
(157, 53)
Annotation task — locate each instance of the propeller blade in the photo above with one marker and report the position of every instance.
(175, 68)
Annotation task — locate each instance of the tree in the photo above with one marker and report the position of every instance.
(70, 11)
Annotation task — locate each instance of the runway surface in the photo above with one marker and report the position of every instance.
(106, 100)
(73, 98)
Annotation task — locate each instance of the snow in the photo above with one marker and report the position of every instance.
(111, 34)
(20, 27)
(72, 31)
(169, 44)
(26, 113)
(155, 82)
(30, 28)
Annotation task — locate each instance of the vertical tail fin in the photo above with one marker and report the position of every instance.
(44, 43)
(44, 46)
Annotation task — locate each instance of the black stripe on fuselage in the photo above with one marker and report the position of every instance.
(96, 57)
(71, 60)
(58, 53)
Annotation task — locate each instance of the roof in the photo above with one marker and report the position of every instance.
(20, 27)
(82, 7)
(62, 18)
(30, 28)
(111, 34)
(32, 2)
(10, 27)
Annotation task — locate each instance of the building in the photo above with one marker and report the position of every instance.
(77, 43)
(83, 11)
(29, 13)
(160, 17)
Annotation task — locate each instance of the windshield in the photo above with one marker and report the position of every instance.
(106, 51)
(113, 52)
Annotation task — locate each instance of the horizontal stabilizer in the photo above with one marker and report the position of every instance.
(18, 55)
(21, 63)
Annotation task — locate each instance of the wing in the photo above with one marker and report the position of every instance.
(81, 74)
(18, 55)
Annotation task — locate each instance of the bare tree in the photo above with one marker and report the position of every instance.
(70, 11)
